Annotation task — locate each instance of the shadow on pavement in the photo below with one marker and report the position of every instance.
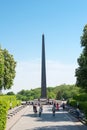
(59, 118)
(48, 117)
(63, 127)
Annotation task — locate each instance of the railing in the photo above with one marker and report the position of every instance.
(81, 117)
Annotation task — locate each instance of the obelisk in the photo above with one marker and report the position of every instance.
(43, 71)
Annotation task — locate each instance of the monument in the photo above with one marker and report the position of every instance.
(43, 71)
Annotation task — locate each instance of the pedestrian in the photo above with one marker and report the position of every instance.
(40, 110)
(53, 109)
(57, 106)
(34, 108)
(63, 105)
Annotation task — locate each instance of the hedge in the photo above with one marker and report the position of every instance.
(4, 106)
(3, 114)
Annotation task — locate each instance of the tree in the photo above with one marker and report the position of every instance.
(11, 93)
(59, 95)
(1, 68)
(81, 71)
(8, 69)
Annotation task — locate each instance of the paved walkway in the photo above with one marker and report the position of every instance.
(27, 120)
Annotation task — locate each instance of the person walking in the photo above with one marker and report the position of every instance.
(40, 111)
(35, 108)
(53, 110)
(63, 105)
(57, 106)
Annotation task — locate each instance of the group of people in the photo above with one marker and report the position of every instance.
(40, 109)
(56, 107)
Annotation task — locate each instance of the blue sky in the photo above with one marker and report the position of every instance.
(22, 23)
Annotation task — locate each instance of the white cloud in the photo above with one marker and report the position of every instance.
(28, 74)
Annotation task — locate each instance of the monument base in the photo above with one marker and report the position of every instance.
(42, 101)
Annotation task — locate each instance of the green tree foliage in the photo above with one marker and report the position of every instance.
(1, 68)
(65, 91)
(50, 93)
(81, 71)
(29, 94)
(34, 94)
(7, 69)
(10, 93)
(59, 92)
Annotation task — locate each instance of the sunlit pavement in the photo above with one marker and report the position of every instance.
(61, 121)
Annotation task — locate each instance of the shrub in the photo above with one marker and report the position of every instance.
(3, 114)
(72, 102)
(83, 106)
(4, 106)
(81, 97)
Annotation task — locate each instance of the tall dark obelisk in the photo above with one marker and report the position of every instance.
(43, 71)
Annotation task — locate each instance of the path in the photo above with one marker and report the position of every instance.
(62, 121)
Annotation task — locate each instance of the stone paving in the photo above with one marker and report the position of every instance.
(27, 120)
